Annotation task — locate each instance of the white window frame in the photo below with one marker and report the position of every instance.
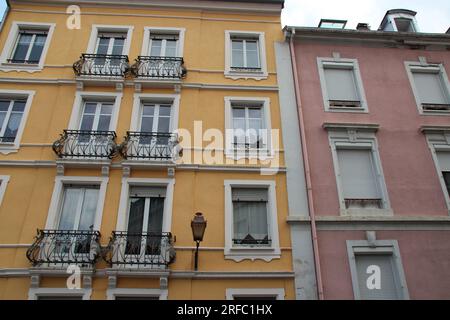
(230, 151)
(35, 293)
(416, 66)
(140, 98)
(7, 148)
(111, 294)
(58, 195)
(4, 181)
(148, 31)
(122, 217)
(347, 64)
(440, 141)
(266, 253)
(99, 28)
(258, 75)
(279, 293)
(341, 139)
(387, 247)
(82, 96)
(11, 43)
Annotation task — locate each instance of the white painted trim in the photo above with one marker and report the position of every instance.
(427, 68)
(4, 180)
(258, 154)
(11, 42)
(229, 73)
(263, 253)
(365, 140)
(96, 28)
(173, 99)
(279, 293)
(122, 216)
(29, 95)
(80, 97)
(55, 203)
(147, 33)
(35, 293)
(111, 294)
(379, 247)
(349, 64)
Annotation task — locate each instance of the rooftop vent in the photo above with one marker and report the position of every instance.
(363, 27)
(332, 24)
(399, 20)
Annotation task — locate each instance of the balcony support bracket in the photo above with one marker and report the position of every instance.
(105, 171)
(60, 169)
(164, 283)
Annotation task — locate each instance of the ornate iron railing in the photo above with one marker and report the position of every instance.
(140, 250)
(63, 247)
(78, 144)
(252, 241)
(364, 203)
(246, 69)
(101, 65)
(149, 145)
(159, 67)
(22, 61)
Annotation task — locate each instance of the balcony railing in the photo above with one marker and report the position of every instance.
(101, 65)
(149, 146)
(437, 107)
(159, 68)
(140, 250)
(79, 144)
(364, 203)
(249, 240)
(64, 247)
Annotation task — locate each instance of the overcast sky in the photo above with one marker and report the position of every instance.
(432, 16)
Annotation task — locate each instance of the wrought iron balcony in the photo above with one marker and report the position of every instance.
(364, 203)
(149, 146)
(80, 144)
(140, 250)
(249, 240)
(101, 65)
(159, 68)
(64, 247)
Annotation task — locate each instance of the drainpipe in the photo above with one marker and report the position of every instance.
(307, 168)
(5, 15)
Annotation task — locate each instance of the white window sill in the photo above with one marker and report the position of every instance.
(347, 109)
(252, 253)
(256, 75)
(6, 67)
(8, 148)
(258, 154)
(357, 212)
(435, 113)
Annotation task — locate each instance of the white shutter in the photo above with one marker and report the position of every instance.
(248, 194)
(430, 87)
(341, 84)
(444, 160)
(389, 289)
(358, 175)
(148, 192)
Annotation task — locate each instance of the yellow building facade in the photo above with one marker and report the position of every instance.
(119, 123)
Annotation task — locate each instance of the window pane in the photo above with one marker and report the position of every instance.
(252, 55)
(89, 208)
(250, 220)
(19, 106)
(38, 46)
(341, 84)
(136, 216)
(90, 108)
(237, 48)
(103, 45)
(22, 47)
(13, 126)
(103, 123)
(164, 125)
(255, 113)
(171, 48)
(155, 218)
(430, 88)
(155, 50)
(106, 109)
(87, 122)
(238, 112)
(239, 124)
(69, 209)
(164, 110)
(148, 110)
(118, 46)
(4, 105)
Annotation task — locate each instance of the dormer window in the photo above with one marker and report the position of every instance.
(332, 24)
(404, 25)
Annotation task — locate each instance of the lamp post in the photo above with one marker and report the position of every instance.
(198, 226)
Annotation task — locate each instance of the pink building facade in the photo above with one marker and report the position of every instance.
(374, 115)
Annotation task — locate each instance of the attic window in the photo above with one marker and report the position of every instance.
(404, 25)
(332, 24)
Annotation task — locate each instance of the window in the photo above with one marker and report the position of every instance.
(163, 42)
(376, 270)
(404, 25)
(359, 180)
(447, 181)
(136, 294)
(11, 114)
(248, 128)
(341, 84)
(357, 165)
(251, 227)
(14, 108)
(332, 24)
(4, 180)
(430, 87)
(245, 55)
(444, 165)
(250, 223)
(59, 294)
(26, 46)
(255, 294)
(96, 116)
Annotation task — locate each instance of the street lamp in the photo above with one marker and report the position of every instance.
(198, 225)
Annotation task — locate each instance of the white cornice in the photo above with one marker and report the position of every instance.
(223, 6)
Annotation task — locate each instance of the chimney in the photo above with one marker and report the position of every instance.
(363, 27)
